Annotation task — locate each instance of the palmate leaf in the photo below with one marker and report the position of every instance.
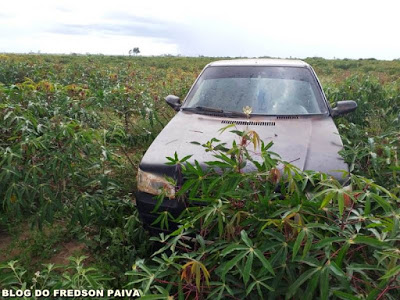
(247, 251)
(258, 283)
(255, 138)
(220, 290)
(163, 219)
(197, 270)
(230, 264)
(333, 190)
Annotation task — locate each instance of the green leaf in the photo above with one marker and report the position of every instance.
(250, 287)
(233, 247)
(312, 285)
(297, 244)
(327, 241)
(341, 254)
(345, 296)
(311, 261)
(185, 187)
(226, 159)
(264, 261)
(154, 297)
(341, 203)
(247, 267)
(303, 278)
(372, 295)
(266, 286)
(328, 197)
(369, 241)
(324, 283)
(246, 239)
(160, 199)
(336, 270)
(185, 158)
(382, 202)
(230, 264)
(226, 127)
(392, 272)
(308, 245)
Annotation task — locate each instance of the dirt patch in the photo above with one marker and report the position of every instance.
(28, 246)
(8, 248)
(6, 252)
(9, 243)
(66, 250)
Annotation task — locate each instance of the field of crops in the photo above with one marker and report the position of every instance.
(73, 130)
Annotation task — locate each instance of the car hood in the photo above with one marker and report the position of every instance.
(308, 142)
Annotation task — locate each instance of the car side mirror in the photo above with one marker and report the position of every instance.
(174, 102)
(344, 107)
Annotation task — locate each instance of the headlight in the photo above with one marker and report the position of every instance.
(154, 184)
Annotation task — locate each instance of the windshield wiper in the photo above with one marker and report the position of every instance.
(235, 114)
(215, 110)
(203, 108)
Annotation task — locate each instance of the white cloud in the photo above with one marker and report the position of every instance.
(340, 28)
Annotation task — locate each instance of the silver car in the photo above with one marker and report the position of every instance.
(282, 100)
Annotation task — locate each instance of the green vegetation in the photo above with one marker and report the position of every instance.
(74, 128)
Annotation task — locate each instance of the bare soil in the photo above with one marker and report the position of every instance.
(67, 250)
(6, 253)
(10, 247)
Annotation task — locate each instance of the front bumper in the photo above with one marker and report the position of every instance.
(146, 203)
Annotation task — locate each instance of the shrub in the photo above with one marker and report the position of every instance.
(274, 233)
(73, 276)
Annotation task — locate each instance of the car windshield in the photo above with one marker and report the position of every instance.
(268, 90)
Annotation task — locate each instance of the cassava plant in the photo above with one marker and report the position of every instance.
(273, 233)
(74, 276)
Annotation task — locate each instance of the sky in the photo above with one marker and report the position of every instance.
(306, 28)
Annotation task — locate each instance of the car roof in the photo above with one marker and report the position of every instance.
(260, 62)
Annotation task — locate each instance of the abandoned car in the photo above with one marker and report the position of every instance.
(287, 106)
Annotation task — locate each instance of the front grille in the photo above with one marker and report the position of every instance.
(248, 123)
